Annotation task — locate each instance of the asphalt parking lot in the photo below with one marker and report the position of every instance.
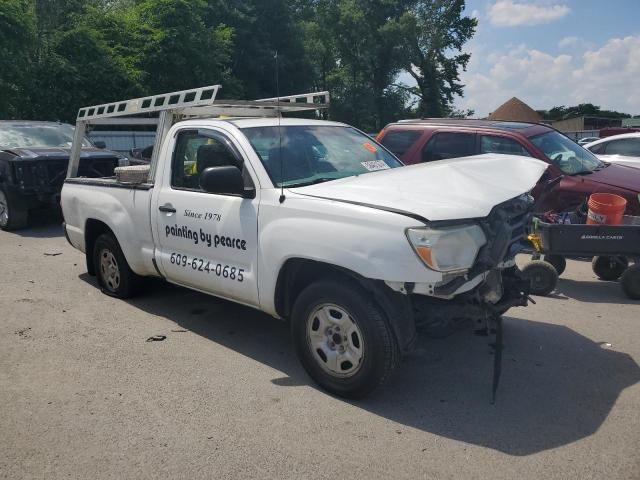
(84, 395)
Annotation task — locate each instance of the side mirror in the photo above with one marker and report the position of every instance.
(100, 144)
(225, 180)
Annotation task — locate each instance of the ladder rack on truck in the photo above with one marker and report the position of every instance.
(186, 104)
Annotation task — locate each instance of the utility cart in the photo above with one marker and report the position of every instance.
(615, 250)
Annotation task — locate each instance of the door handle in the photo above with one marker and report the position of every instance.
(167, 208)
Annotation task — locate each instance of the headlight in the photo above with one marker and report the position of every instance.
(448, 249)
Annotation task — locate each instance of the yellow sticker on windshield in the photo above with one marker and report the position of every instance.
(370, 147)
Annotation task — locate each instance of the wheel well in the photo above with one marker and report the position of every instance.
(298, 273)
(93, 229)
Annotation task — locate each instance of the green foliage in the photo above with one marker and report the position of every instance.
(586, 109)
(176, 48)
(17, 41)
(434, 34)
(59, 55)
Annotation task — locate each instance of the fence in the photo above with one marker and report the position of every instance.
(122, 142)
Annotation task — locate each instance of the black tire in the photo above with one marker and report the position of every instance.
(609, 268)
(380, 354)
(542, 275)
(121, 282)
(13, 215)
(631, 281)
(558, 262)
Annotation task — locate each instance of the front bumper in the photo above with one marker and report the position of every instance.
(500, 291)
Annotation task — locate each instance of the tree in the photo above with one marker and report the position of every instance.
(433, 33)
(262, 28)
(353, 46)
(176, 49)
(79, 70)
(584, 109)
(18, 40)
(59, 55)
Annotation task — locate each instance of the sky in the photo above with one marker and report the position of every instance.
(553, 52)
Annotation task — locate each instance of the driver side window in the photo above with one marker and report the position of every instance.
(193, 153)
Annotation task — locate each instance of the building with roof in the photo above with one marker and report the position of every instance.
(515, 110)
(586, 123)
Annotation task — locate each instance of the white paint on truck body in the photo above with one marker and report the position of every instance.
(235, 247)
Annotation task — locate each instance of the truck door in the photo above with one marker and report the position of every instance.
(205, 241)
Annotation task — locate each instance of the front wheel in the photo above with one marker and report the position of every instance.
(542, 275)
(558, 262)
(115, 277)
(12, 215)
(343, 339)
(609, 268)
(631, 281)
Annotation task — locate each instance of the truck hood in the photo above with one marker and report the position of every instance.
(56, 153)
(451, 189)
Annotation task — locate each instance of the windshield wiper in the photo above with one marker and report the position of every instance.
(311, 182)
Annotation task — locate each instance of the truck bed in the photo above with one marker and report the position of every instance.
(122, 208)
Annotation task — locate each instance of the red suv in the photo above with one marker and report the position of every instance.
(574, 172)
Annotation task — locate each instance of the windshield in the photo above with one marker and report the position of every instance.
(566, 154)
(32, 136)
(312, 154)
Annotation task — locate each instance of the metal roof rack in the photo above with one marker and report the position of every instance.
(201, 102)
(165, 109)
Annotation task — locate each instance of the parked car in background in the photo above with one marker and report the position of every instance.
(623, 149)
(575, 171)
(585, 140)
(611, 131)
(33, 165)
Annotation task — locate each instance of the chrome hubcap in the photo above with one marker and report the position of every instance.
(335, 340)
(4, 210)
(109, 270)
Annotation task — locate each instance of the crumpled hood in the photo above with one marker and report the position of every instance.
(59, 153)
(451, 189)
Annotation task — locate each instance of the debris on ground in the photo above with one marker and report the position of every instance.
(24, 332)
(156, 338)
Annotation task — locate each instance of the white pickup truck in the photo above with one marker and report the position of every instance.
(306, 220)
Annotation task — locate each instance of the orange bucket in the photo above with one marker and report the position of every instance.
(606, 209)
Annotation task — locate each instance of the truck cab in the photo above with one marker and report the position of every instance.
(310, 221)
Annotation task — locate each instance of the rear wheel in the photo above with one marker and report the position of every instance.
(115, 277)
(609, 268)
(12, 215)
(631, 282)
(542, 277)
(343, 339)
(558, 262)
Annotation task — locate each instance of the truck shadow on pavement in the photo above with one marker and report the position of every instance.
(43, 223)
(593, 291)
(557, 386)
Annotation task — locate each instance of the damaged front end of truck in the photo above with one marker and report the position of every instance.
(499, 283)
